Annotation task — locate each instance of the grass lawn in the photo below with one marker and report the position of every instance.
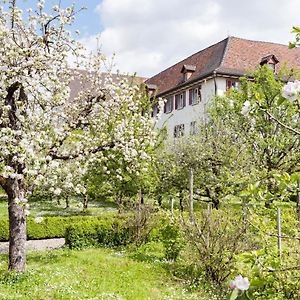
(51, 208)
(89, 274)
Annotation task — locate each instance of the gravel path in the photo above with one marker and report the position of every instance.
(37, 245)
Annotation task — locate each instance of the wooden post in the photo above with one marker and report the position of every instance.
(140, 199)
(279, 232)
(191, 204)
(298, 200)
(208, 208)
(172, 207)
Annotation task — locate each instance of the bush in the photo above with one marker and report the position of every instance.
(172, 240)
(47, 227)
(4, 230)
(98, 232)
(216, 237)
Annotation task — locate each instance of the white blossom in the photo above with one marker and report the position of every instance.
(38, 220)
(246, 108)
(291, 90)
(240, 283)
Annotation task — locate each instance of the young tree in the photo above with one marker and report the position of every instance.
(41, 126)
(267, 123)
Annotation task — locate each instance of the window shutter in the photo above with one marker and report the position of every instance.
(172, 102)
(165, 107)
(199, 93)
(228, 85)
(184, 98)
(176, 101)
(191, 96)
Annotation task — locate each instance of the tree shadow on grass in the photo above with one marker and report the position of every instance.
(48, 257)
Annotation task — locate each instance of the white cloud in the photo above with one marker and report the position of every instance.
(150, 35)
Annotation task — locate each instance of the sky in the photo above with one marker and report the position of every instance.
(147, 36)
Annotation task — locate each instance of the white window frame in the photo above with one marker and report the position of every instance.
(169, 105)
(180, 101)
(179, 131)
(193, 128)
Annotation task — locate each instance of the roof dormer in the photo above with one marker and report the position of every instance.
(151, 89)
(270, 60)
(187, 71)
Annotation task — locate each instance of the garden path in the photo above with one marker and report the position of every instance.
(37, 245)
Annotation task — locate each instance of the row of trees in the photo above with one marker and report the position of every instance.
(248, 148)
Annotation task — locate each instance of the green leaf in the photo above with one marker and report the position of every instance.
(234, 295)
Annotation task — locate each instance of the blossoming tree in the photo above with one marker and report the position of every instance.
(42, 127)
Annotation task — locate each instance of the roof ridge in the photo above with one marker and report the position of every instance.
(224, 52)
(190, 57)
(257, 41)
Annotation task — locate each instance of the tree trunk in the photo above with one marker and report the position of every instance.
(67, 203)
(85, 201)
(17, 225)
(298, 199)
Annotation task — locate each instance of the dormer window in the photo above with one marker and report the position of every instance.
(187, 71)
(270, 61)
(151, 89)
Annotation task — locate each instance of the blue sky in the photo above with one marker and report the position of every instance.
(87, 21)
(147, 36)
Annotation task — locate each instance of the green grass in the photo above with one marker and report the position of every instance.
(51, 208)
(90, 274)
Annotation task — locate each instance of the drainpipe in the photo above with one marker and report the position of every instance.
(215, 82)
(216, 90)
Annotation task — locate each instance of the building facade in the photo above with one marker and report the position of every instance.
(191, 84)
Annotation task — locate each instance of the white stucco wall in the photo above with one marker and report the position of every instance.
(191, 113)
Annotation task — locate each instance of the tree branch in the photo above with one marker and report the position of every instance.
(279, 122)
(55, 155)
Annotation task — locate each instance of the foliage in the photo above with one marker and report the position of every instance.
(171, 238)
(216, 237)
(49, 131)
(50, 227)
(96, 233)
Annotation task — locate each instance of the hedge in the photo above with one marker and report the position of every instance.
(92, 233)
(50, 227)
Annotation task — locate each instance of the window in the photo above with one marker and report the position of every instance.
(154, 111)
(168, 105)
(180, 101)
(179, 131)
(231, 83)
(193, 128)
(195, 95)
(271, 66)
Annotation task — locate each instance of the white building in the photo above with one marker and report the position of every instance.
(190, 84)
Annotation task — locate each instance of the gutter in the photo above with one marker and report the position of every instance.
(211, 75)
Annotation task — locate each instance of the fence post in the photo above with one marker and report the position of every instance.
(298, 200)
(172, 207)
(279, 232)
(139, 221)
(191, 204)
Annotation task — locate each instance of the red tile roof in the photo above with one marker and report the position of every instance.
(231, 56)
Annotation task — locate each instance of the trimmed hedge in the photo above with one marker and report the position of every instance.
(50, 227)
(93, 233)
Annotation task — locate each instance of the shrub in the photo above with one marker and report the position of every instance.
(216, 237)
(48, 227)
(3, 230)
(171, 238)
(98, 232)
